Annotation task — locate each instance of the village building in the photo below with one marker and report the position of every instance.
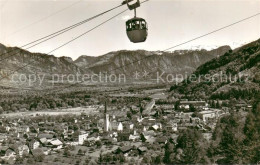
(34, 144)
(82, 137)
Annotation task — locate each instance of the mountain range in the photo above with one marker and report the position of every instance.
(20, 61)
(128, 62)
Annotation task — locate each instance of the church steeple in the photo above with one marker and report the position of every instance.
(106, 119)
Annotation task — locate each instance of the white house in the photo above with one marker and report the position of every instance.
(7, 128)
(34, 144)
(23, 149)
(57, 144)
(198, 104)
(174, 127)
(23, 129)
(157, 126)
(120, 127)
(131, 126)
(82, 138)
(207, 114)
(134, 137)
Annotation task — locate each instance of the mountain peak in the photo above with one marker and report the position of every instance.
(238, 70)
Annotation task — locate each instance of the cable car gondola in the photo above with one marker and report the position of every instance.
(136, 28)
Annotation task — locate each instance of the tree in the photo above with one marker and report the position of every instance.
(121, 158)
(252, 133)
(2, 161)
(80, 152)
(176, 105)
(141, 109)
(86, 143)
(231, 139)
(87, 160)
(142, 138)
(129, 115)
(230, 147)
(38, 155)
(131, 161)
(147, 159)
(2, 129)
(218, 104)
(77, 162)
(169, 149)
(192, 108)
(189, 147)
(19, 160)
(1, 110)
(98, 143)
(25, 136)
(100, 158)
(30, 160)
(67, 152)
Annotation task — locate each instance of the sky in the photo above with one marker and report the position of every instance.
(170, 22)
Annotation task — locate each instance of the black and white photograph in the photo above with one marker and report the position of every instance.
(131, 82)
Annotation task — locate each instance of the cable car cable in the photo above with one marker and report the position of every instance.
(214, 31)
(204, 35)
(70, 41)
(46, 17)
(65, 29)
(196, 38)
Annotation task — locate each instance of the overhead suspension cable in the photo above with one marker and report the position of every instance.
(196, 38)
(68, 42)
(46, 17)
(57, 33)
